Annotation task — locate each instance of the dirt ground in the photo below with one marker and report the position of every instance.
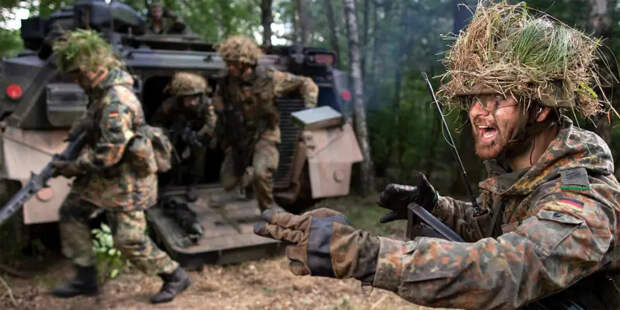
(263, 284)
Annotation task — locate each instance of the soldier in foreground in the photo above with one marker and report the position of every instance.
(248, 119)
(115, 171)
(190, 120)
(546, 234)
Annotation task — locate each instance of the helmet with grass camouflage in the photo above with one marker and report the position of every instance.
(239, 49)
(84, 50)
(514, 51)
(187, 84)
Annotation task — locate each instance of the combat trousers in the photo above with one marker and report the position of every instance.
(264, 163)
(128, 228)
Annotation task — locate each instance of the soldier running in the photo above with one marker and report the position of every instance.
(248, 120)
(106, 173)
(546, 234)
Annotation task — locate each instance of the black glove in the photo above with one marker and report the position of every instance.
(396, 197)
(190, 137)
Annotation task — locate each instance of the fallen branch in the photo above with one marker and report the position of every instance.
(9, 291)
(12, 272)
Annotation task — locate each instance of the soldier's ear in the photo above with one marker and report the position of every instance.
(542, 113)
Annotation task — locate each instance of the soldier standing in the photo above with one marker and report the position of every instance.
(545, 235)
(248, 121)
(163, 21)
(106, 173)
(190, 120)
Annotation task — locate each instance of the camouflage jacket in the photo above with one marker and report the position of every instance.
(202, 119)
(556, 225)
(250, 103)
(110, 180)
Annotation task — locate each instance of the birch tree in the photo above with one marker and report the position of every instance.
(366, 173)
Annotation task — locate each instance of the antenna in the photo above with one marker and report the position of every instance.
(455, 152)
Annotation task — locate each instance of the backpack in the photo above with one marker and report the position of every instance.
(162, 147)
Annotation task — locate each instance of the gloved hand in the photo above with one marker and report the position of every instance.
(190, 137)
(396, 197)
(323, 244)
(65, 168)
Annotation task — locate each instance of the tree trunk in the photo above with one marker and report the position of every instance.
(366, 173)
(266, 20)
(333, 34)
(600, 25)
(304, 16)
(366, 13)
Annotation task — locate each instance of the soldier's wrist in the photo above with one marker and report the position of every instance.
(390, 262)
(367, 258)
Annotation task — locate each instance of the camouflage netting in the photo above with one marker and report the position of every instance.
(84, 50)
(512, 50)
(239, 49)
(186, 84)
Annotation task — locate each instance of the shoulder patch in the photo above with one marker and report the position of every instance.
(575, 179)
(566, 205)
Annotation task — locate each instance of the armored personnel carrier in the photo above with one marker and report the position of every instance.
(38, 105)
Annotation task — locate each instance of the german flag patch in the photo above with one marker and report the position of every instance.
(569, 204)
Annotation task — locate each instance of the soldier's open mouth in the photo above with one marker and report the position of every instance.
(486, 133)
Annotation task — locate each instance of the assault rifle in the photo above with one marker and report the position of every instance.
(38, 181)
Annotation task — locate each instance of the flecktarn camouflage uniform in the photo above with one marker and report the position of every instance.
(256, 99)
(248, 121)
(201, 120)
(558, 226)
(110, 181)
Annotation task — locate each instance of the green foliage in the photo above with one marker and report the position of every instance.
(215, 20)
(109, 260)
(10, 43)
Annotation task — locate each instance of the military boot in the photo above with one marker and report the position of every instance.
(174, 283)
(85, 283)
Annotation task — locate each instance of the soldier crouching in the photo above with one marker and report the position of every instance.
(248, 121)
(106, 171)
(189, 119)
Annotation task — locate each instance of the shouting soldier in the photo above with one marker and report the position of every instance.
(545, 234)
(190, 120)
(115, 171)
(248, 122)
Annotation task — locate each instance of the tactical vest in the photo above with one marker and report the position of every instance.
(249, 113)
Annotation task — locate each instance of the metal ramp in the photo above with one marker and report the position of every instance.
(228, 230)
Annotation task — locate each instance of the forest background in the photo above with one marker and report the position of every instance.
(397, 40)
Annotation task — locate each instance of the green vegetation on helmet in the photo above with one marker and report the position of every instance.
(156, 3)
(84, 50)
(514, 51)
(239, 49)
(187, 84)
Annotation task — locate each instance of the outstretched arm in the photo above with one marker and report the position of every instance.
(285, 83)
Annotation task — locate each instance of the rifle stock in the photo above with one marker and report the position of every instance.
(38, 181)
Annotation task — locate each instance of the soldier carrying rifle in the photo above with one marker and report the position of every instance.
(115, 171)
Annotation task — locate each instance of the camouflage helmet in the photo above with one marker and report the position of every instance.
(515, 51)
(187, 84)
(156, 3)
(84, 50)
(239, 49)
